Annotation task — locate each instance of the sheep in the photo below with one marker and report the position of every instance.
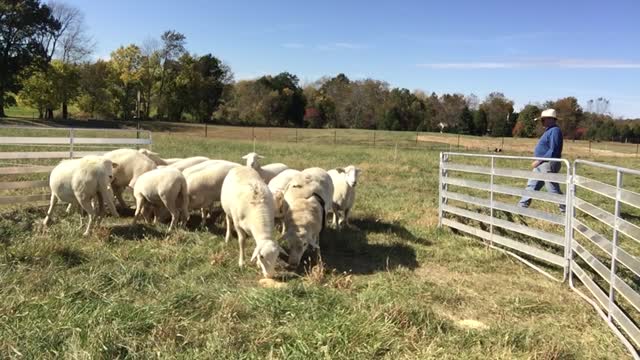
(172, 160)
(162, 188)
(344, 194)
(266, 172)
(303, 220)
(249, 208)
(132, 164)
(205, 164)
(81, 181)
(188, 162)
(314, 186)
(204, 186)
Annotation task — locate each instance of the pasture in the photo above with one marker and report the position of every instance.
(392, 286)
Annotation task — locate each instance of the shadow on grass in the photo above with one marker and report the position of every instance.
(372, 225)
(349, 251)
(70, 257)
(136, 232)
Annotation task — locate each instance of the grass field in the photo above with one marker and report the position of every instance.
(393, 286)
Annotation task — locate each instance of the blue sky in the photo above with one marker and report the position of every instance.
(531, 51)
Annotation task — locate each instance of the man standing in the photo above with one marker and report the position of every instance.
(549, 146)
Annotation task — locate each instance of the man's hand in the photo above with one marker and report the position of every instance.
(535, 164)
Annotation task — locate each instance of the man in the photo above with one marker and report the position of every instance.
(549, 146)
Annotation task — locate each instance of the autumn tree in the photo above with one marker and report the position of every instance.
(94, 95)
(126, 63)
(498, 111)
(526, 123)
(569, 114)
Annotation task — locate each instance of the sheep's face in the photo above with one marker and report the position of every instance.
(298, 243)
(352, 174)
(266, 256)
(252, 159)
(109, 170)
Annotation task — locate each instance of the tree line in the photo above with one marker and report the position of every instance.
(45, 57)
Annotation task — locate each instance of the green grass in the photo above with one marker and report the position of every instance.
(394, 286)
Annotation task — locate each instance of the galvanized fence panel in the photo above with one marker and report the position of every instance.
(18, 168)
(604, 271)
(534, 244)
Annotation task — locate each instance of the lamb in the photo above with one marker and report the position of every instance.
(266, 172)
(303, 220)
(205, 164)
(344, 195)
(132, 164)
(204, 186)
(188, 162)
(81, 181)
(249, 208)
(162, 188)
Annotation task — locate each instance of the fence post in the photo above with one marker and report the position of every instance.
(458, 141)
(253, 133)
(138, 133)
(205, 130)
(296, 135)
(374, 138)
(637, 145)
(417, 137)
(71, 135)
(335, 136)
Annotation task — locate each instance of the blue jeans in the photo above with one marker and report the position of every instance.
(536, 185)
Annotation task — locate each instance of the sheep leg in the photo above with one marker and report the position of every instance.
(117, 191)
(52, 203)
(335, 219)
(175, 212)
(85, 204)
(284, 227)
(69, 208)
(241, 237)
(227, 237)
(202, 215)
(140, 203)
(345, 219)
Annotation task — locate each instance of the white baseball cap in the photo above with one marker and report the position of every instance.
(549, 113)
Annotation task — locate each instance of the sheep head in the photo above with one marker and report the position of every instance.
(352, 174)
(266, 256)
(252, 160)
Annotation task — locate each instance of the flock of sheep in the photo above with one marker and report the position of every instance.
(253, 197)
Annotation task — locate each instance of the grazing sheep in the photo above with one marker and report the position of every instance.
(314, 186)
(188, 162)
(132, 164)
(303, 219)
(266, 172)
(162, 188)
(197, 167)
(204, 186)
(278, 184)
(344, 194)
(81, 181)
(248, 206)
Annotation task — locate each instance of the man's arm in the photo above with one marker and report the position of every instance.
(554, 144)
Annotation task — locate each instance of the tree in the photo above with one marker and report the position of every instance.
(150, 73)
(95, 97)
(22, 25)
(172, 48)
(287, 100)
(38, 91)
(337, 90)
(125, 64)
(498, 110)
(480, 122)
(526, 123)
(466, 121)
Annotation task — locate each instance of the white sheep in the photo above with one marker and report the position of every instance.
(172, 160)
(162, 188)
(278, 184)
(303, 220)
(204, 186)
(344, 194)
(132, 164)
(188, 162)
(81, 181)
(249, 208)
(205, 164)
(310, 181)
(266, 172)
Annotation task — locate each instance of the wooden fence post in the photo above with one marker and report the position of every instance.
(205, 130)
(335, 136)
(374, 138)
(296, 135)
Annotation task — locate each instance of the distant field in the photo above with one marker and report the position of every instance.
(393, 286)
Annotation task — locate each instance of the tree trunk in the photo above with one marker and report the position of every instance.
(50, 114)
(65, 110)
(2, 114)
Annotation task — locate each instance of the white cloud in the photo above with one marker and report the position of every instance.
(341, 46)
(554, 63)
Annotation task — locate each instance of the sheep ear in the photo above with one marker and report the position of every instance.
(260, 156)
(114, 165)
(246, 157)
(340, 170)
